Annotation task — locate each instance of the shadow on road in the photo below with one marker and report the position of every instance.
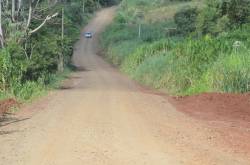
(64, 87)
(67, 85)
(76, 68)
(6, 120)
(7, 132)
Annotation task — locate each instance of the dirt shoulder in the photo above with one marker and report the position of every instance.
(216, 106)
(6, 105)
(227, 114)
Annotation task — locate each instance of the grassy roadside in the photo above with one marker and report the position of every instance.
(29, 91)
(29, 63)
(33, 90)
(173, 62)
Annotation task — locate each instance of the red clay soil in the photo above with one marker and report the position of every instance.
(228, 114)
(5, 105)
(216, 106)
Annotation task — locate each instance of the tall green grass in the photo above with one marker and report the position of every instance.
(231, 73)
(181, 66)
(30, 90)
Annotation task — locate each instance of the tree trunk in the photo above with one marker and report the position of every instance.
(61, 59)
(139, 31)
(7, 5)
(30, 15)
(83, 6)
(19, 6)
(1, 31)
(13, 8)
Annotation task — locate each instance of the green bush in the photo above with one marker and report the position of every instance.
(27, 90)
(118, 52)
(222, 15)
(231, 73)
(13, 64)
(132, 61)
(163, 71)
(109, 2)
(5, 69)
(185, 19)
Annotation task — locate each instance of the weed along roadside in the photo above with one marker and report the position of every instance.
(199, 55)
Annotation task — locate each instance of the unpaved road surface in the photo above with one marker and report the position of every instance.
(100, 117)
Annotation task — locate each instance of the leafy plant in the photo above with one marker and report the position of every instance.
(185, 19)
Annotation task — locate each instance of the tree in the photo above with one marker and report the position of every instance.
(185, 19)
(32, 47)
(221, 15)
(1, 31)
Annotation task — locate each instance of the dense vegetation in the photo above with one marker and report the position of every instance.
(183, 47)
(37, 37)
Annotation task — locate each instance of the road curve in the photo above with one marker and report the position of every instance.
(100, 117)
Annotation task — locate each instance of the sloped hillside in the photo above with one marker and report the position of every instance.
(183, 47)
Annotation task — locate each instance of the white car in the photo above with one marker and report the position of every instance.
(88, 35)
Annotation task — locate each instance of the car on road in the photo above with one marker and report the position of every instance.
(88, 35)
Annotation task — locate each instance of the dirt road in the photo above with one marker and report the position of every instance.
(100, 117)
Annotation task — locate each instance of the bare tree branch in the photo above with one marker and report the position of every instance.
(1, 31)
(13, 8)
(30, 15)
(43, 23)
(19, 6)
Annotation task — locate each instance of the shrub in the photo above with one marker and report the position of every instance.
(185, 19)
(28, 90)
(231, 73)
(142, 53)
(109, 2)
(163, 71)
(238, 11)
(118, 52)
(13, 65)
(222, 15)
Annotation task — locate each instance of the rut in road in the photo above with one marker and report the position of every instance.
(100, 117)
